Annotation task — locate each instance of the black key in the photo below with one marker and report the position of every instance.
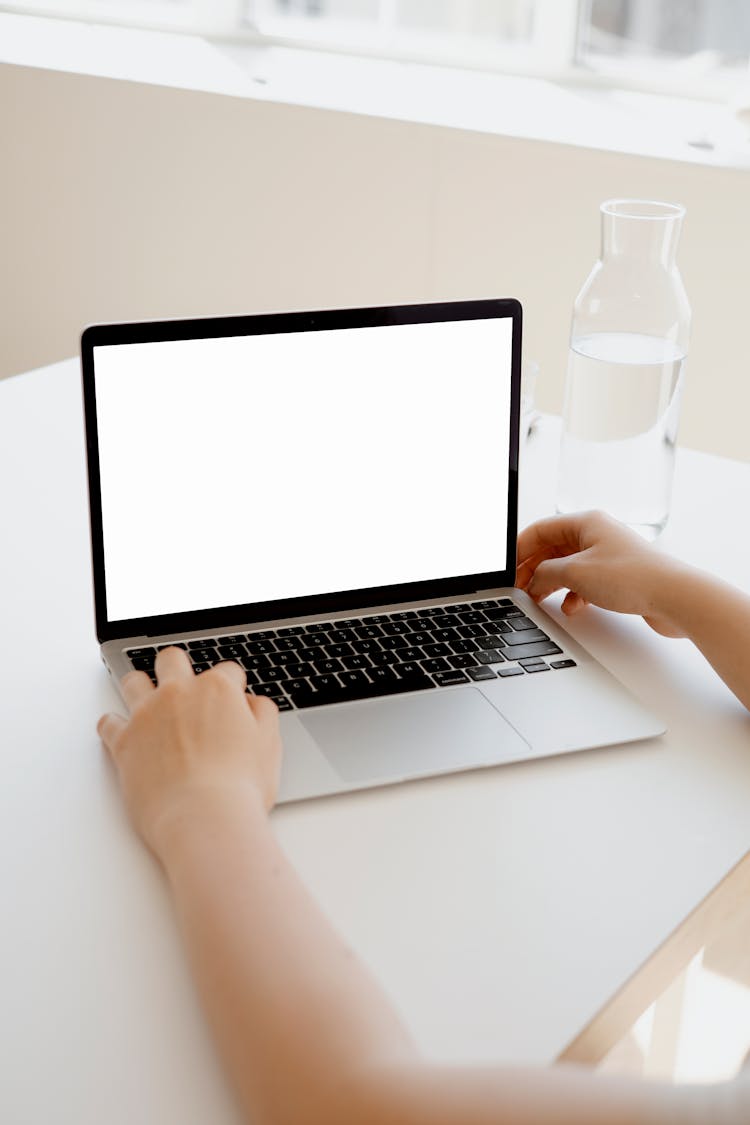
(409, 669)
(261, 635)
(540, 648)
(460, 647)
(431, 611)
(285, 644)
(141, 654)
(379, 686)
(232, 652)
(446, 635)
(283, 703)
(483, 673)
(296, 671)
(311, 640)
(521, 639)
(436, 664)
(412, 652)
(506, 601)
(368, 631)
(472, 630)
(237, 639)
(324, 683)
(173, 644)
(503, 612)
(205, 655)
(383, 659)
(250, 662)
(376, 619)
(404, 615)
(456, 676)
(465, 661)
(338, 636)
(427, 624)
(253, 677)
(459, 607)
(497, 628)
(198, 668)
(355, 678)
(323, 667)
(145, 663)
(383, 676)
(316, 653)
(521, 623)
(484, 605)
(318, 627)
(509, 672)
(532, 660)
(204, 642)
(274, 674)
(339, 650)
(355, 661)
(490, 642)
(370, 645)
(563, 663)
(257, 647)
(394, 628)
(282, 659)
(438, 649)
(349, 623)
(390, 643)
(297, 686)
(419, 636)
(290, 631)
(489, 656)
(537, 667)
(450, 621)
(267, 689)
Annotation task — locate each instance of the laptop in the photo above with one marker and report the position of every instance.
(330, 499)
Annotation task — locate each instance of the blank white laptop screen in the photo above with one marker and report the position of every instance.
(252, 468)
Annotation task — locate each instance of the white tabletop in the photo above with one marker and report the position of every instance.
(500, 909)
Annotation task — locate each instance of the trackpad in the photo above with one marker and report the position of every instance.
(410, 736)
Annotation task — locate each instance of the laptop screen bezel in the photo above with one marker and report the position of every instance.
(253, 613)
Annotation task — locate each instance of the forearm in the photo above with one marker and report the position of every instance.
(294, 1012)
(716, 617)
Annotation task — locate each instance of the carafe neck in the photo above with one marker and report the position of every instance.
(641, 230)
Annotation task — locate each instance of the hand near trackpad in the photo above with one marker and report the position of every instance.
(413, 736)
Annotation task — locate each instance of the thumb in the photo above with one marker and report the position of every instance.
(550, 575)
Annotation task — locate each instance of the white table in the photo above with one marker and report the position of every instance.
(502, 909)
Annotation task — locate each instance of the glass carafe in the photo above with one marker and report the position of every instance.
(626, 368)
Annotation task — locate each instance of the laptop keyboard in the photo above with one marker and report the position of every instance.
(325, 662)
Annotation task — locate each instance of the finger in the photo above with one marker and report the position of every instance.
(109, 729)
(556, 534)
(135, 687)
(231, 671)
(262, 706)
(572, 603)
(172, 664)
(526, 569)
(549, 576)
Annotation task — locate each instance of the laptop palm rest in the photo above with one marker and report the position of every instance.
(407, 736)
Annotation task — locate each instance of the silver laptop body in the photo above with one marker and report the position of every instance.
(339, 485)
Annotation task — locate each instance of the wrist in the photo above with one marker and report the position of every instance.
(672, 591)
(203, 816)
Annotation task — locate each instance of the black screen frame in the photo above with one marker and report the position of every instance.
(99, 335)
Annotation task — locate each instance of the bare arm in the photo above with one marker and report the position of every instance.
(306, 1035)
(603, 563)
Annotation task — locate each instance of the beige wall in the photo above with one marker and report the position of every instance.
(119, 200)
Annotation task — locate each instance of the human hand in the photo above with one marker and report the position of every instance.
(191, 744)
(599, 561)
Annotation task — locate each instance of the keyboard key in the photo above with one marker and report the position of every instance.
(458, 607)
(198, 668)
(261, 635)
(461, 646)
(253, 677)
(282, 659)
(356, 661)
(204, 642)
(232, 652)
(296, 686)
(383, 659)
(472, 630)
(297, 671)
(144, 663)
(411, 652)
(316, 653)
(484, 604)
(390, 643)
(354, 678)
(531, 660)
(419, 636)
(349, 623)
(446, 635)
(383, 675)
(464, 661)
(331, 664)
(141, 653)
(376, 619)
(521, 623)
(436, 664)
(437, 649)
(450, 621)
(563, 663)
(516, 639)
(205, 655)
(271, 689)
(273, 674)
(236, 639)
(405, 615)
(290, 631)
(409, 669)
(318, 627)
(255, 662)
(286, 644)
(431, 611)
(506, 601)
(370, 645)
(337, 636)
(324, 683)
(483, 673)
(364, 632)
(395, 628)
(536, 667)
(540, 648)
(503, 612)
(509, 672)
(339, 650)
(258, 647)
(489, 656)
(456, 676)
(282, 703)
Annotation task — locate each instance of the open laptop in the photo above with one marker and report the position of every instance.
(330, 499)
